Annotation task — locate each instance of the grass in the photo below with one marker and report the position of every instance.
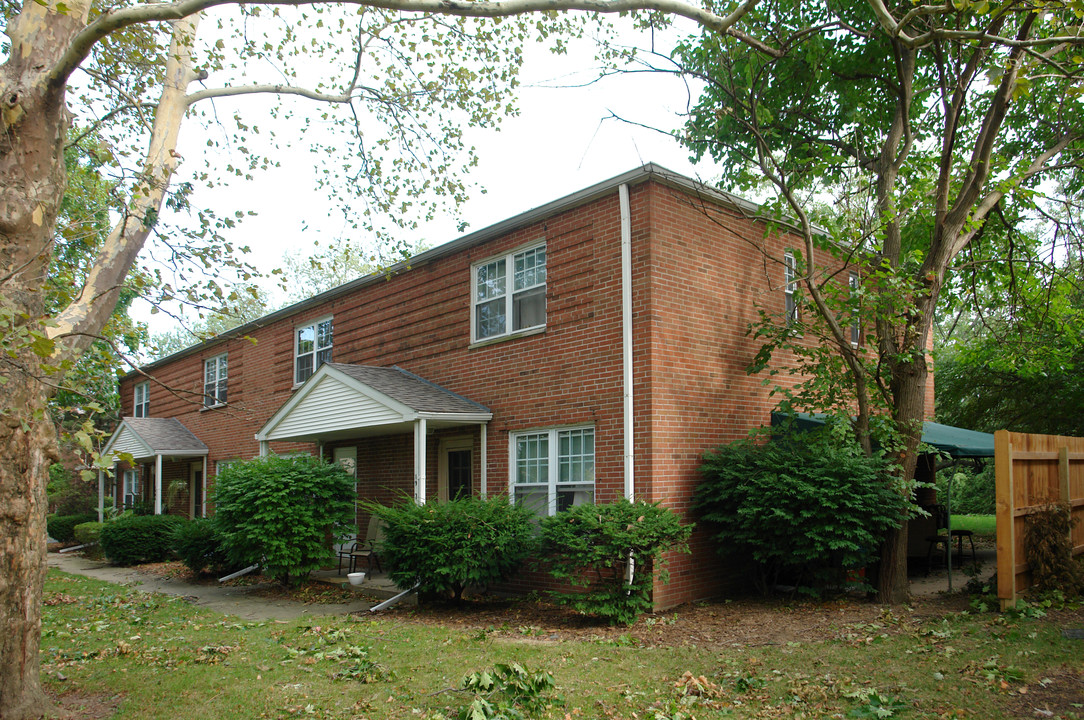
(984, 526)
(164, 658)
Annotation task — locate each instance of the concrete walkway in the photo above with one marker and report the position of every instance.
(240, 601)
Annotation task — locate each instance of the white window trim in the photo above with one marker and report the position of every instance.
(790, 286)
(853, 281)
(219, 379)
(315, 350)
(145, 386)
(509, 294)
(553, 463)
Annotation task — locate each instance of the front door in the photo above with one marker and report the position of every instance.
(195, 489)
(456, 464)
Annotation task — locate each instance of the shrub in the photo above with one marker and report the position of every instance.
(589, 546)
(973, 493)
(278, 512)
(807, 504)
(62, 527)
(446, 547)
(135, 539)
(88, 534)
(1048, 549)
(199, 545)
(68, 493)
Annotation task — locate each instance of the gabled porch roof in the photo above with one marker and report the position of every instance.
(148, 438)
(345, 401)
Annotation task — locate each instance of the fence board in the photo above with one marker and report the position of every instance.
(1032, 471)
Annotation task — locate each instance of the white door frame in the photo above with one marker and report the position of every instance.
(448, 444)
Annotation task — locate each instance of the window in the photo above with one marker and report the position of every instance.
(312, 349)
(502, 310)
(856, 324)
(553, 470)
(131, 488)
(790, 279)
(142, 400)
(214, 381)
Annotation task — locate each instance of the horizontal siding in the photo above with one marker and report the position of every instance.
(329, 406)
(127, 442)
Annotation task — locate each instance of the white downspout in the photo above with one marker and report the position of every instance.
(626, 354)
(157, 484)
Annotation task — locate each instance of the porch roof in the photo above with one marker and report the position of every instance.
(343, 401)
(146, 438)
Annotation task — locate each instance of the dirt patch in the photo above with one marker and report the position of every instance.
(308, 592)
(84, 706)
(1058, 694)
(750, 622)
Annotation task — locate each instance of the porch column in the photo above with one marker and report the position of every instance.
(265, 448)
(419, 461)
(101, 495)
(157, 484)
(203, 489)
(483, 476)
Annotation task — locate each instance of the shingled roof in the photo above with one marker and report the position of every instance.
(409, 389)
(147, 437)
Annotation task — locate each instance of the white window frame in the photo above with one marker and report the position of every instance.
(790, 286)
(130, 490)
(141, 399)
(553, 465)
(317, 349)
(856, 324)
(215, 391)
(509, 293)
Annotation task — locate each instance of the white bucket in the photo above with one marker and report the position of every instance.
(356, 578)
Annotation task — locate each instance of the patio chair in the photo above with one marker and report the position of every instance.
(367, 549)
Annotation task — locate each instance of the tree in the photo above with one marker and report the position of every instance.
(929, 122)
(413, 72)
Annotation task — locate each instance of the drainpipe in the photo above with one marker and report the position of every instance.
(157, 484)
(101, 495)
(626, 351)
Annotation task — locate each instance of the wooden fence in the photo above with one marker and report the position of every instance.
(1032, 471)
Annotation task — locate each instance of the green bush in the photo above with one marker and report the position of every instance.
(68, 493)
(446, 547)
(278, 512)
(135, 539)
(89, 534)
(589, 546)
(973, 493)
(62, 527)
(805, 506)
(199, 545)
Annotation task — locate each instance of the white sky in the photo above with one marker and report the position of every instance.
(561, 142)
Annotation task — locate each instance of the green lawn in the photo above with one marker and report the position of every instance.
(983, 526)
(160, 657)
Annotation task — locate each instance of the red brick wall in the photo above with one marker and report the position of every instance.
(697, 278)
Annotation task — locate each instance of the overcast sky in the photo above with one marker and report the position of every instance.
(563, 140)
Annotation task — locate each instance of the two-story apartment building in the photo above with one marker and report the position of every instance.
(586, 350)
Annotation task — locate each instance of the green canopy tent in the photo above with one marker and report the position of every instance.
(958, 443)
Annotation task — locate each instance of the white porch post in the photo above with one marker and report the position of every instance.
(265, 448)
(203, 490)
(101, 495)
(419, 461)
(157, 484)
(484, 478)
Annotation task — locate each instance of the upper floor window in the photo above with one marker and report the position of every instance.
(790, 285)
(509, 294)
(312, 348)
(215, 372)
(856, 325)
(142, 404)
(552, 470)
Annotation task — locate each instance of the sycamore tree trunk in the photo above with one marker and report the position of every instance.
(32, 184)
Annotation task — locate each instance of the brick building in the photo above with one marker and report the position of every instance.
(586, 350)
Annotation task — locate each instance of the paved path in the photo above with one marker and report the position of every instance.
(236, 600)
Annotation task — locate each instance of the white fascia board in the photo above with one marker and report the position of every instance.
(463, 417)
